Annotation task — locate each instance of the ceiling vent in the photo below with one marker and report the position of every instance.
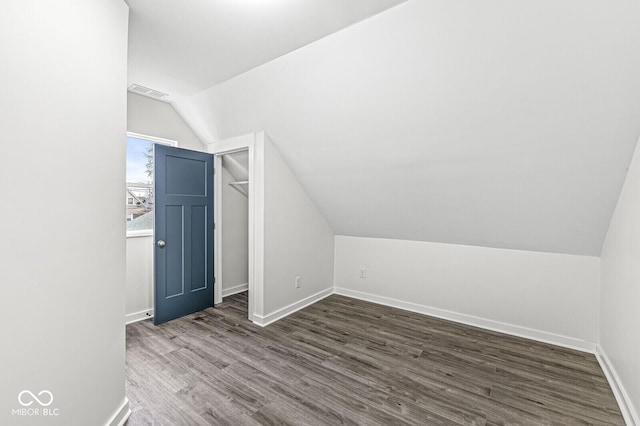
(145, 91)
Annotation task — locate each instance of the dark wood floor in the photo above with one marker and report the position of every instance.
(344, 361)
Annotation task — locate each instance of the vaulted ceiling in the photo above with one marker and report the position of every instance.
(498, 123)
(183, 47)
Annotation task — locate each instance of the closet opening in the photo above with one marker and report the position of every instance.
(232, 226)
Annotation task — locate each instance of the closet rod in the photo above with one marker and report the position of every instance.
(242, 182)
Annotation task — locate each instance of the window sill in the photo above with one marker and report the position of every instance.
(142, 233)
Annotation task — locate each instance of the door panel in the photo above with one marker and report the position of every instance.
(198, 247)
(185, 176)
(183, 231)
(173, 279)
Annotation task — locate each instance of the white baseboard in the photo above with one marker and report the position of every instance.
(138, 316)
(514, 330)
(622, 397)
(288, 310)
(121, 415)
(235, 289)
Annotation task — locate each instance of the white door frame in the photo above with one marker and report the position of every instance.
(254, 144)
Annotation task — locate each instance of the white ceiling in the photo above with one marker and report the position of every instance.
(182, 47)
(498, 123)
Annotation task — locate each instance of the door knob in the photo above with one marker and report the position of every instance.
(161, 243)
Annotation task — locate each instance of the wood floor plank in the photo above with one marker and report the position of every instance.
(345, 361)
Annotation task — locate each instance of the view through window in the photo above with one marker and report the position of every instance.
(139, 190)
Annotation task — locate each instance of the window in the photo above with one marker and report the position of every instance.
(139, 190)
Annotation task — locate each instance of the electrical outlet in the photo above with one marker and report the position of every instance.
(363, 273)
(298, 281)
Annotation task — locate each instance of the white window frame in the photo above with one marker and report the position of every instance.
(154, 139)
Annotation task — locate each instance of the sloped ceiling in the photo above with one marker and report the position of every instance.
(183, 47)
(497, 123)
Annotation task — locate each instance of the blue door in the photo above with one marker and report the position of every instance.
(183, 232)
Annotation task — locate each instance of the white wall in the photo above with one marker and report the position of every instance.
(156, 118)
(620, 292)
(139, 277)
(152, 118)
(546, 296)
(235, 236)
(62, 291)
(297, 239)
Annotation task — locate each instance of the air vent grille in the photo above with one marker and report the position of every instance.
(145, 91)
